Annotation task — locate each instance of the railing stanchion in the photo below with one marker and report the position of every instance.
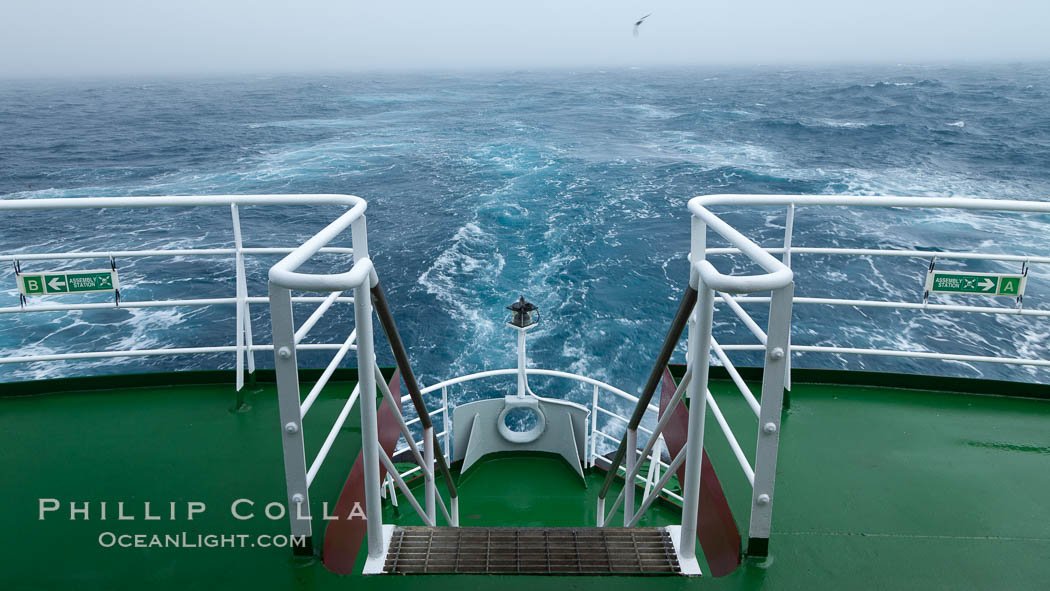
(428, 473)
(367, 382)
(243, 320)
(789, 229)
(446, 424)
(628, 482)
(699, 353)
(654, 465)
(291, 426)
(593, 456)
(769, 420)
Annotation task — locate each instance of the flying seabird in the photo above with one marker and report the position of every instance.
(639, 23)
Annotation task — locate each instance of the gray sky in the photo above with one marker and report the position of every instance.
(92, 37)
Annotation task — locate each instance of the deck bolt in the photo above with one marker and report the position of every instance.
(284, 353)
(763, 499)
(777, 354)
(769, 428)
(297, 498)
(291, 428)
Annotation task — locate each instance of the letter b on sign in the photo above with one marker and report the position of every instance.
(33, 284)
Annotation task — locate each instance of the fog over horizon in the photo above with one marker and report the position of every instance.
(66, 38)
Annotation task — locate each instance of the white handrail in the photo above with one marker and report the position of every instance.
(900, 305)
(778, 274)
(156, 352)
(897, 353)
(698, 203)
(241, 300)
(168, 252)
(356, 203)
(198, 302)
(892, 252)
(743, 283)
(284, 272)
(535, 371)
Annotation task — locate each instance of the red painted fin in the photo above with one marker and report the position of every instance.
(719, 536)
(343, 537)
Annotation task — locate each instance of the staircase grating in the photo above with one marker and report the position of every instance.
(531, 550)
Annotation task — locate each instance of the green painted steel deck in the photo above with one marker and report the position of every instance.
(877, 488)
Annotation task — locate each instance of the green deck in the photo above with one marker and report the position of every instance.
(877, 488)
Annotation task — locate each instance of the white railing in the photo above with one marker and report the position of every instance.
(792, 205)
(284, 277)
(244, 346)
(362, 279)
(696, 311)
(775, 341)
(595, 434)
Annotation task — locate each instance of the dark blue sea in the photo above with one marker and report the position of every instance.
(569, 187)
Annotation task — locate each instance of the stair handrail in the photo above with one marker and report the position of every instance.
(386, 320)
(681, 318)
(704, 279)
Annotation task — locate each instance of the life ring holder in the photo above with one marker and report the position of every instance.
(513, 403)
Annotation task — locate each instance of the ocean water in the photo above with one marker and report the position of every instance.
(569, 187)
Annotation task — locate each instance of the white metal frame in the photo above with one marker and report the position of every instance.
(792, 203)
(244, 347)
(650, 452)
(361, 278)
(775, 341)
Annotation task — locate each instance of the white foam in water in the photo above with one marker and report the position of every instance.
(468, 266)
(844, 124)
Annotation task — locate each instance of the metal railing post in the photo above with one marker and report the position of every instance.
(428, 473)
(367, 382)
(699, 353)
(628, 482)
(287, 369)
(244, 318)
(592, 458)
(654, 465)
(773, 376)
(446, 424)
(789, 230)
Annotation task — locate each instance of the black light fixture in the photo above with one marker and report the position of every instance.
(525, 314)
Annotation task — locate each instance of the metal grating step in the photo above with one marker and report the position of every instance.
(531, 550)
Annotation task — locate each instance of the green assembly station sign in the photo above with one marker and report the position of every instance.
(994, 284)
(67, 282)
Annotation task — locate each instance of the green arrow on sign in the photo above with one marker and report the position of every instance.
(72, 282)
(993, 284)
